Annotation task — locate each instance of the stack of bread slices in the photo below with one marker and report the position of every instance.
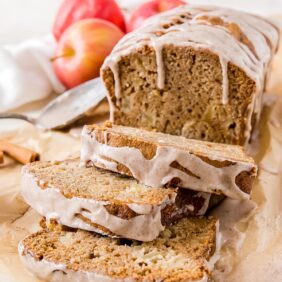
(135, 206)
(132, 208)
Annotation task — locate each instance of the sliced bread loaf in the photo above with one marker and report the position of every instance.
(196, 71)
(158, 159)
(184, 252)
(97, 200)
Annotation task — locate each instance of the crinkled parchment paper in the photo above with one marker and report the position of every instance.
(252, 249)
(16, 218)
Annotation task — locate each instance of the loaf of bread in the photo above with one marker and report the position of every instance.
(184, 252)
(158, 159)
(196, 71)
(108, 203)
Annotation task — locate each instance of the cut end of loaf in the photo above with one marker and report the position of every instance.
(190, 102)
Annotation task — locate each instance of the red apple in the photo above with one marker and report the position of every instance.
(82, 49)
(72, 11)
(149, 9)
(165, 5)
(143, 12)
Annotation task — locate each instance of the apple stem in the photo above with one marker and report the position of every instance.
(58, 57)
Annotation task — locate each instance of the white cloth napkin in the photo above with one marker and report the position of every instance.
(26, 73)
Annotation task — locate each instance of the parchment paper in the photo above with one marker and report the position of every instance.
(255, 254)
(16, 219)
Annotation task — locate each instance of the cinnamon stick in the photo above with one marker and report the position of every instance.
(21, 154)
(1, 157)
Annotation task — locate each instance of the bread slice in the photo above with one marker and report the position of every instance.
(195, 71)
(183, 252)
(158, 159)
(97, 200)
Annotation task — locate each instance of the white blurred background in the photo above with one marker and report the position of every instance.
(22, 19)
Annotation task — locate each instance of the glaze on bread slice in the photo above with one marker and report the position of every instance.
(97, 200)
(195, 71)
(183, 252)
(158, 159)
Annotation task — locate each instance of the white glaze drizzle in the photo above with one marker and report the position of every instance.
(225, 83)
(200, 34)
(205, 207)
(49, 202)
(157, 171)
(160, 65)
